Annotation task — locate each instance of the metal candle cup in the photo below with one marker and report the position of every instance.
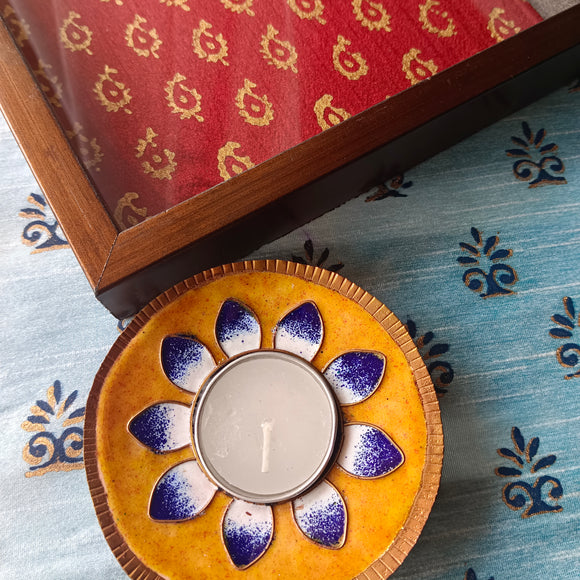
(265, 426)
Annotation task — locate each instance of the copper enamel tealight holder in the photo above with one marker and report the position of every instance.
(263, 419)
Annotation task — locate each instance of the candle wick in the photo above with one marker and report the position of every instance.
(267, 427)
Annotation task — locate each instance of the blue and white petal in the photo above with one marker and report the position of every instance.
(163, 427)
(300, 331)
(181, 493)
(321, 515)
(186, 361)
(355, 376)
(237, 329)
(247, 531)
(368, 451)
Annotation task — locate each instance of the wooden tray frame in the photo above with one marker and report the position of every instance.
(126, 269)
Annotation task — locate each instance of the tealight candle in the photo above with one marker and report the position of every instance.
(265, 426)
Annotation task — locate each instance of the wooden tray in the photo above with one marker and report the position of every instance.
(128, 268)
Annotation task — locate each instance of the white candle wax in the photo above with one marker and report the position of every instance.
(265, 426)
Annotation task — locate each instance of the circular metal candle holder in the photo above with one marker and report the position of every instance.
(375, 509)
(304, 453)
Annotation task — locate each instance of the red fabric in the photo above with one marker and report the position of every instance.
(147, 150)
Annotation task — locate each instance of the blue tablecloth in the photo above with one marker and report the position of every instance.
(477, 250)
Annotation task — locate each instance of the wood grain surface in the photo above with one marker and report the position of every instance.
(127, 269)
(86, 224)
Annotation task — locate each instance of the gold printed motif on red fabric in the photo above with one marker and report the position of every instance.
(327, 115)
(158, 166)
(117, 2)
(207, 46)
(19, 28)
(254, 109)
(179, 3)
(280, 53)
(230, 164)
(144, 42)
(183, 100)
(416, 69)
(75, 36)
(49, 83)
(371, 15)
(441, 16)
(112, 94)
(308, 9)
(89, 150)
(125, 205)
(239, 6)
(500, 27)
(352, 65)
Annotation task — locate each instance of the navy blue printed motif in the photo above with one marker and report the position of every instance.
(391, 188)
(521, 494)
(320, 262)
(441, 371)
(123, 323)
(537, 162)
(42, 232)
(470, 575)
(494, 281)
(58, 441)
(568, 354)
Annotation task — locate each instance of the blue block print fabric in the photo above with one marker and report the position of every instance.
(476, 250)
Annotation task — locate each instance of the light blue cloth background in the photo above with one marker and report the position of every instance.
(403, 250)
